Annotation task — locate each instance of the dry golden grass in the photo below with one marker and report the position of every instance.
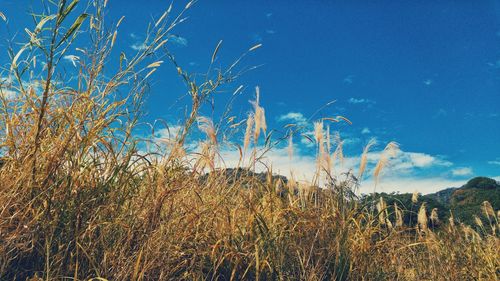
(79, 201)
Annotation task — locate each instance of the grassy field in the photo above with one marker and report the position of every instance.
(80, 198)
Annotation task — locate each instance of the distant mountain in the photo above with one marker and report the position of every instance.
(475, 191)
(464, 202)
(443, 196)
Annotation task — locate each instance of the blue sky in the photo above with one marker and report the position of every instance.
(423, 73)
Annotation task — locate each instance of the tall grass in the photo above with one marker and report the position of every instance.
(79, 200)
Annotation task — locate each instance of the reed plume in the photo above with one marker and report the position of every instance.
(422, 218)
(487, 210)
(434, 216)
(414, 197)
(259, 116)
(381, 208)
(248, 132)
(399, 215)
(338, 154)
(290, 147)
(206, 125)
(364, 157)
(390, 150)
(319, 138)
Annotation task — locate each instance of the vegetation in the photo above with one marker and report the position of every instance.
(81, 199)
(463, 203)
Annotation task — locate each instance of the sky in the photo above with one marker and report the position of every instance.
(425, 74)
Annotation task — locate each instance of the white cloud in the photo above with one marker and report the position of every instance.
(257, 38)
(409, 162)
(166, 134)
(141, 45)
(440, 113)
(7, 94)
(463, 171)
(295, 117)
(72, 59)
(9, 88)
(351, 141)
(365, 131)
(138, 46)
(303, 167)
(349, 79)
(424, 185)
(360, 101)
(425, 160)
(494, 162)
(178, 40)
(307, 142)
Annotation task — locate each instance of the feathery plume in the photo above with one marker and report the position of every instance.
(248, 132)
(206, 125)
(318, 136)
(328, 140)
(478, 221)
(318, 132)
(414, 197)
(487, 210)
(290, 147)
(390, 150)
(328, 158)
(434, 216)
(381, 207)
(207, 156)
(338, 154)
(259, 116)
(399, 215)
(364, 157)
(422, 217)
(451, 221)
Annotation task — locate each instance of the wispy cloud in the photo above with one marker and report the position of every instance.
(494, 162)
(72, 59)
(424, 185)
(295, 117)
(462, 172)
(9, 87)
(167, 134)
(303, 167)
(349, 79)
(257, 38)
(410, 163)
(365, 131)
(7, 94)
(138, 46)
(421, 160)
(178, 40)
(360, 101)
(440, 113)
